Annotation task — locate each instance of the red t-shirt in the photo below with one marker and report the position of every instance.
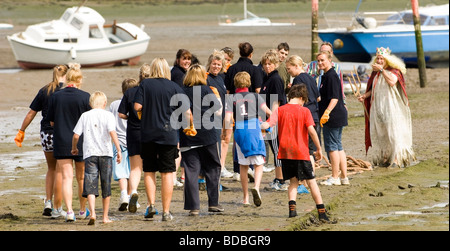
(293, 122)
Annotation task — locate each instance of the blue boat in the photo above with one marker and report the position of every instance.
(358, 42)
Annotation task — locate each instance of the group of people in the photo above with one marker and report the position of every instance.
(184, 117)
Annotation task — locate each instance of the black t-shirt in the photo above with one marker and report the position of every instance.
(40, 103)
(313, 93)
(177, 75)
(160, 103)
(273, 89)
(243, 64)
(64, 109)
(203, 100)
(331, 88)
(219, 84)
(127, 107)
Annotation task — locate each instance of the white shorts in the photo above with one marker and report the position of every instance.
(251, 160)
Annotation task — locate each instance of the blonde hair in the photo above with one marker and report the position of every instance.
(272, 56)
(144, 72)
(296, 60)
(195, 75)
(128, 83)
(97, 99)
(58, 71)
(159, 68)
(216, 55)
(326, 53)
(242, 80)
(74, 73)
(393, 62)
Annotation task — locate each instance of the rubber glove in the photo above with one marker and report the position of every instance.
(214, 89)
(139, 114)
(19, 138)
(325, 117)
(190, 131)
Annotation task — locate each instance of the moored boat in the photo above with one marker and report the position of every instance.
(81, 36)
(358, 42)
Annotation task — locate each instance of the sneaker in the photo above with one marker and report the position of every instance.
(56, 213)
(256, 197)
(167, 216)
(302, 189)
(194, 212)
(176, 183)
(323, 216)
(70, 217)
(292, 210)
(150, 212)
(224, 173)
(331, 181)
(132, 207)
(216, 209)
(47, 208)
(123, 202)
(345, 181)
(236, 176)
(84, 214)
(268, 169)
(275, 185)
(284, 186)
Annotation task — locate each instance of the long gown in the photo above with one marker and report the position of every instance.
(390, 124)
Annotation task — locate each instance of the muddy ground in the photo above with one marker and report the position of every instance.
(415, 198)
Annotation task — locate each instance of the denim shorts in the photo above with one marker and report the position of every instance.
(94, 167)
(332, 138)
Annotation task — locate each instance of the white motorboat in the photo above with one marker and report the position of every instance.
(4, 26)
(81, 36)
(253, 20)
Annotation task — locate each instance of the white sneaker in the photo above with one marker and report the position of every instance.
(268, 169)
(224, 173)
(345, 181)
(331, 181)
(132, 206)
(47, 208)
(56, 213)
(176, 183)
(251, 175)
(237, 176)
(123, 201)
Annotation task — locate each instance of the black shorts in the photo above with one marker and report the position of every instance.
(300, 169)
(76, 158)
(134, 142)
(159, 158)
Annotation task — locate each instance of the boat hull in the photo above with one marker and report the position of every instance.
(360, 45)
(35, 57)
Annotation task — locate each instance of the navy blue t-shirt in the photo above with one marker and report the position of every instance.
(177, 75)
(243, 64)
(40, 103)
(64, 109)
(127, 107)
(273, 86)
(161, 100)
(313, 93)
(331, 88)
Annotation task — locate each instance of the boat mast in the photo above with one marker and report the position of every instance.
(245, 9)
(81, 5)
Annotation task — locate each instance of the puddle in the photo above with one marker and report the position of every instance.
(13, 162)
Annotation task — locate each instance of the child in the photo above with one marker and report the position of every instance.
(294, 123)
(121, 172)
(99, 126)
(245, 107)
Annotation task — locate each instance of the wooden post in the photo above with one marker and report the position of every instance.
(314, 29)
(421, 64)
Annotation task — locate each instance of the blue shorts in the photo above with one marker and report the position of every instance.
(332, 138)
(122, 170)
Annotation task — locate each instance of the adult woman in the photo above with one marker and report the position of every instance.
(40, 103)
(388, 122)
(273, 90)
(295, 67)
(180, 66)
(333, 118)
(64, 110)
(202, 151)
(126, 111)
(215, 66)
(154, 99)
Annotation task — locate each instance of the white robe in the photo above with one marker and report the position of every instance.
(390, 124)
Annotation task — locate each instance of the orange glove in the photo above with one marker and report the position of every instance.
(214, 89)
(19, 138)
(325, 117)
(139, 114)
(190, 131)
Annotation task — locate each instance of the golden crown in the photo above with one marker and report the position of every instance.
(383, 51)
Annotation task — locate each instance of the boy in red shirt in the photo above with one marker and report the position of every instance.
(295, 122)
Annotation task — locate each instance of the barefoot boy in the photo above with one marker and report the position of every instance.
(294, 123)
(99, 127)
